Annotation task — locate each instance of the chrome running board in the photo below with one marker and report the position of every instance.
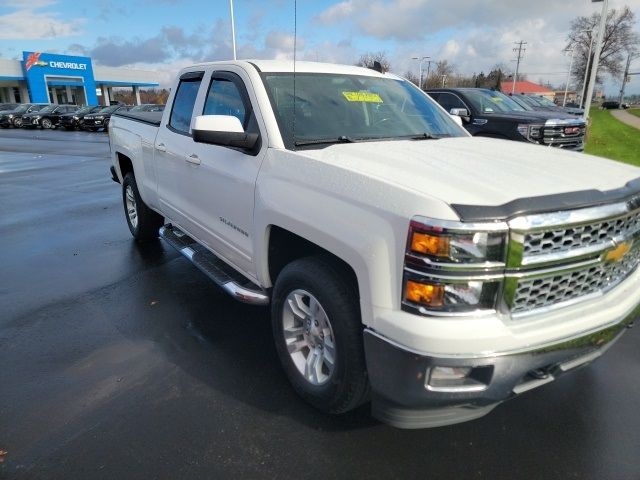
(232, 282)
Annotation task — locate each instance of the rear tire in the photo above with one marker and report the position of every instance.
(143, 222)
(317, 329)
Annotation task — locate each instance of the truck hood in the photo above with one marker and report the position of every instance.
(531, 116)
(477, 171)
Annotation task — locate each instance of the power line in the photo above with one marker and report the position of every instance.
(520, 51)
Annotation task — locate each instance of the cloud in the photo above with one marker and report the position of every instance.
(28, 23)
(335, 13)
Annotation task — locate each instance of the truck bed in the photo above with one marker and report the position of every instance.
(150, 118)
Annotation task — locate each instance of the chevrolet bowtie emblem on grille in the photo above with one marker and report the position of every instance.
(618, 253)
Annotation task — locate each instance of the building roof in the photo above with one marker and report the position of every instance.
(525, 87)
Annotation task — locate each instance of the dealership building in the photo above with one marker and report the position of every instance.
(50, 78)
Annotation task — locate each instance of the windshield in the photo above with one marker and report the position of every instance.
(353, 108)
(542, 101)
(520, 101)
(83, 110)
(47, 109)
(22, 108)
(110, 109)
(490, 101)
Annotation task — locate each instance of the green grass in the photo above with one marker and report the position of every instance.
(634, 111)
(610, 138)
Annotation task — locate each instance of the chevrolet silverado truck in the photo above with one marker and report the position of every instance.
(405, 262)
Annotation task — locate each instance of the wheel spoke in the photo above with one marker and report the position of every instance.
(293, 332)
(297, 346)
(313, 366)
(298, 307)
(329, 353)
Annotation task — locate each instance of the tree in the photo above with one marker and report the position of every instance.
(367, 60)
(619, 38)
(443, 69)
(412, 77)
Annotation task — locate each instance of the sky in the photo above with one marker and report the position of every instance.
(166, 35)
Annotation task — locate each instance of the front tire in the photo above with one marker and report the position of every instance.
(46, 123)
(17, 123)
(143, 222)
(317, 330)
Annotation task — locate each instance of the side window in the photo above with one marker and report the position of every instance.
(183, 104)
(225, 99)
(449, 101)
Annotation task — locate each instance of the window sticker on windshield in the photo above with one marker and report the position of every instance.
(362, 96)
(496, 99)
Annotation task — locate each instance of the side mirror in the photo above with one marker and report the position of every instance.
(459, 112)
(223, 130)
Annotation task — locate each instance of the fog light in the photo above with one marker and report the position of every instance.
(458, 379)
(425, 293)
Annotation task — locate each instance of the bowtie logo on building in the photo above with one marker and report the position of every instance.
(34, 59)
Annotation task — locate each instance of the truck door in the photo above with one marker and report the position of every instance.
(220, 181)
(172, 141)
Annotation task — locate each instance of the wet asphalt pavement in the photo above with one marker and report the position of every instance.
(121, 361)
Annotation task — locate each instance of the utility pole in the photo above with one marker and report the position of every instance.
(566, 87)
(421, 59)
(625, 77)
(586, 70)
(596, 57)
(520, 51)
(233, 30)
(444, 81)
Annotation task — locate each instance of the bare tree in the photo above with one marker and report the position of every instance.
(619, 38)
(412, 77)
(367, 60)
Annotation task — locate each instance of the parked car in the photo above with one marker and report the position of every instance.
(47, 117)
(13, 118)
(148, 107)
(404, 261)
(4, 107)
(100, 119)
(537, 102)
(610, 105)
(71, 121)
(488, 113)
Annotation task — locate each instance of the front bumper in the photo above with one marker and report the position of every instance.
(402, 398)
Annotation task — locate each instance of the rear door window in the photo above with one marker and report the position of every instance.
(183, 103)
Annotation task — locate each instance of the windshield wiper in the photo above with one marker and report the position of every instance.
(423, 136)
(320, 141)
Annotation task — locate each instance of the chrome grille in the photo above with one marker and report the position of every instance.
(532, 294)
(571, 238)
(556, 136)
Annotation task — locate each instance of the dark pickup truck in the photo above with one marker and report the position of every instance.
(489, 113)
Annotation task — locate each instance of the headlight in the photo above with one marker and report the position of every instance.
(530, 132)
(456, 244)
(453, 267)
(99, 117)
(75, 117)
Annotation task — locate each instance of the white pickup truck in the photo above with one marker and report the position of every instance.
(405, 262)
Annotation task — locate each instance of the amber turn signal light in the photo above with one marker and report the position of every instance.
(430, 244)
(424, 293)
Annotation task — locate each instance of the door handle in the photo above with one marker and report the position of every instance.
(193, 158)
(161, 147)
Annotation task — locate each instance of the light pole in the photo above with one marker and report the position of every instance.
(422, 59)
(566, 87)
(233, 30)
(586, 69)
(596, 56)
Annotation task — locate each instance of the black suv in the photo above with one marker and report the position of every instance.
(13, 118)
(71, 121)
(5, 107)
(47, 117)
(493, 114)
(100, 119)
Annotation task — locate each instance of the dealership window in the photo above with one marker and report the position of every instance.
(183, 104)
